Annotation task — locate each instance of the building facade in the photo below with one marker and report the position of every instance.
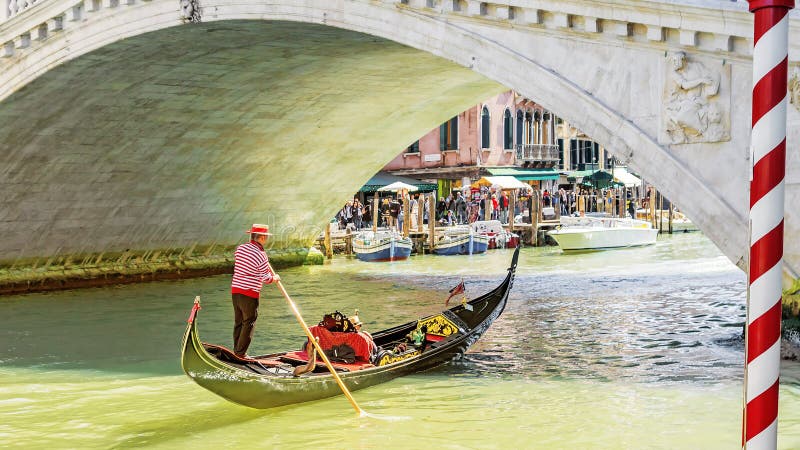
(506, 134)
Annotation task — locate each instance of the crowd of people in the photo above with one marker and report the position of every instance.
(466, 206)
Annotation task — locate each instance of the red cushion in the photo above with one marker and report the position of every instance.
(303, 357)
(433, 337)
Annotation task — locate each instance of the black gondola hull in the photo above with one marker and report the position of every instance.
(241, 384)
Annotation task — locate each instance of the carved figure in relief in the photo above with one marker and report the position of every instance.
(689, 114)
(794, 88)
(190, 10)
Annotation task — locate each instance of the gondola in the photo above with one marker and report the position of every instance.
(268, 381)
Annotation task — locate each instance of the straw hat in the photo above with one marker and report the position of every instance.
(259, 228)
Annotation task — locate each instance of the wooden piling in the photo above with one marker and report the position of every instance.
(511, 205)
(406, 214)
(432, 221)
(375, 208)
(670, 217)
(327, 242)
(348, 242)
(420, 211)
(652, 206)
(535, 212)
(660, 212)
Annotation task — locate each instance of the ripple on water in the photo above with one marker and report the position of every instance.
(602, 350)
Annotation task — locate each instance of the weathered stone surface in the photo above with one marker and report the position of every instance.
(182, 138)
(607, 80)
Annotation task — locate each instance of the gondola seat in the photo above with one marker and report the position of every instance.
(361, 343)
(302, 358)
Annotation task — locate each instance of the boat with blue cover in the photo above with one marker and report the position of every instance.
(381, 246)
(463, 243)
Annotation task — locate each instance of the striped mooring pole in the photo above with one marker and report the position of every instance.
(768, 147)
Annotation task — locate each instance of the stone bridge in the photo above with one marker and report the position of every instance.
(137, 133)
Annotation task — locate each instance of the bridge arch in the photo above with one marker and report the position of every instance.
(516, 57)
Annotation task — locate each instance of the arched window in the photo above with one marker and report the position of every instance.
(485, 127)
(519, 127)
(508, 130)
(547, 122)
(528, 128)
(448, 135)
(536, 128)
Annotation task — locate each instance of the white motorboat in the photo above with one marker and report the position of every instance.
(595, 233)
(680, 223)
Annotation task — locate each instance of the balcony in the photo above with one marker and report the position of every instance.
(537, 154)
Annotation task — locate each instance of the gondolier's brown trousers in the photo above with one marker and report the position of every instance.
(245, 313)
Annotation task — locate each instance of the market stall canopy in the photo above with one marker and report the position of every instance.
(524, 174)
(383, 179)
(398, 186)
(598, 179)
(504, 182)
(622, 175)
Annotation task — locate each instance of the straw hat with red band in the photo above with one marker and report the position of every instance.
(259, 228)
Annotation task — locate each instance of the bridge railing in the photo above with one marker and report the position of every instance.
(13, 7)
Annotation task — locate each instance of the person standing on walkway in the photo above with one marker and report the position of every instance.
(251, 270)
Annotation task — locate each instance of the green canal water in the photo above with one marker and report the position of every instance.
(635, 348)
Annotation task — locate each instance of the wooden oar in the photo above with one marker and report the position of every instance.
(319, 349)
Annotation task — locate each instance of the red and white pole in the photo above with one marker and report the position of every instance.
(763, 332)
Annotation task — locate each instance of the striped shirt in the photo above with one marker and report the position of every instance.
(250, 269)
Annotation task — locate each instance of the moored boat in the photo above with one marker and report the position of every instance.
(465, 243)
(497, 235)
(268, 381)
(381, 246)
(592, 233)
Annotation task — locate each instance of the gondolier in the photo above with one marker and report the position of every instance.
(251, 270)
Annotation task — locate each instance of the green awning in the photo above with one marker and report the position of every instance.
(382, 179)
(576, 175)
(599, 179)
(523, 174)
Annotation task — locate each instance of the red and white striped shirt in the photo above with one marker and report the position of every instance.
(250, 269)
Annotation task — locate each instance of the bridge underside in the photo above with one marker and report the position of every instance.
(179, 139)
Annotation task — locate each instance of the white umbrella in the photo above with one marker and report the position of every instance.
(398, 186)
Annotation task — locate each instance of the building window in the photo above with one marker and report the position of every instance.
(573, 154)
(519, 127)
(413, 148)
(508, 130)
(528, 128)
(485, 123)
(448, 135)
(561, 154)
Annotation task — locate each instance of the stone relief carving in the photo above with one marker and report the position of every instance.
(694, 103)
(794, 88)
(190, 11)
